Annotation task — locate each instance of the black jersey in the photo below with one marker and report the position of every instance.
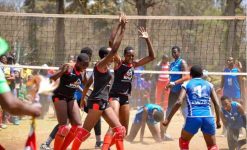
(69, 82)
(123, 77)
(101, 86)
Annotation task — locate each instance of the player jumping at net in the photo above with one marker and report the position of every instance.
(199, 94)
(98, 100)
(121, 88)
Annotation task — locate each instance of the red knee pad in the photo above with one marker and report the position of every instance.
(82, 134)
(184, 145)
(120, 132)
(215, 147)
(63, 130)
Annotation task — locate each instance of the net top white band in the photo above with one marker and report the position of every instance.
(136, 71)
(129, 17)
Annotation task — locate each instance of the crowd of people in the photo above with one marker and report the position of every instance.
(107, 95)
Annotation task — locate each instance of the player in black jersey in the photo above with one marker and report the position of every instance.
(121, 88)
(98, 100)
(70, 137)
(66, 107)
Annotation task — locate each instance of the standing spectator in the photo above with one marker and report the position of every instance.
(231, 84)
(10, 77)
(161, 95)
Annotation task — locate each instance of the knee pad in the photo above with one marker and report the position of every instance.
(82, 134)
(215, 147)
(120, 132)
(184, 145)
(63, 130)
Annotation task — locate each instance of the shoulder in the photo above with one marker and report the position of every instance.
(209, 84)
(185, 84)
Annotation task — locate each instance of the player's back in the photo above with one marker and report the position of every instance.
(198, 97)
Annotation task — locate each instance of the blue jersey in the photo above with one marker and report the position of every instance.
(176, 66)
(233, 118)
(231, 85)
(198, 97)
(78, 94)
(150, 108)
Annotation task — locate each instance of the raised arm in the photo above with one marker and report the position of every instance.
(150, 56)
(214, 99)
(115, 31)
(102, 63)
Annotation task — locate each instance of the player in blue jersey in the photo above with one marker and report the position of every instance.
(231, 84)
(150, 114)
(199, 94)
(233, 118)
(176, 80)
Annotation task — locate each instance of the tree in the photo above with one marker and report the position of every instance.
(142, 9)
(232, 39)
(59, 35)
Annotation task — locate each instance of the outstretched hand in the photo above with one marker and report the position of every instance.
(122, 19)
(143, 33)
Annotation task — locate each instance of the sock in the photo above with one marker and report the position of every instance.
(113, 141)
(69, 138)
(48, 141)
(58, 142)
(107, 141)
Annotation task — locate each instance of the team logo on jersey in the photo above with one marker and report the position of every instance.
(75, 84)
(128, 75)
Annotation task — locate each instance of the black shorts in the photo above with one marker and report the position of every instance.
(122, 99)
(97, 104)
(57, 97)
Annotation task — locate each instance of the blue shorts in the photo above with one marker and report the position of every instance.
(207, 125)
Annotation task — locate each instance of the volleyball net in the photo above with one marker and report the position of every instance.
(53, 39)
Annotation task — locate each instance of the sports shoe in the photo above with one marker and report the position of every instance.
(44, 146)
(98, 144)
(3, 126)
(167, 137)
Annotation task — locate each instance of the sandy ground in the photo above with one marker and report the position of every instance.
(13, 138)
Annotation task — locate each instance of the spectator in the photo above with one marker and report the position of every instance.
(161, 95)
(231, 84)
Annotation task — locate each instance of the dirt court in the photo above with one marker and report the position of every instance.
(13, 138)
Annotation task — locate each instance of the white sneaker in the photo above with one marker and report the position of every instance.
(44, 146)
(167, 137)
